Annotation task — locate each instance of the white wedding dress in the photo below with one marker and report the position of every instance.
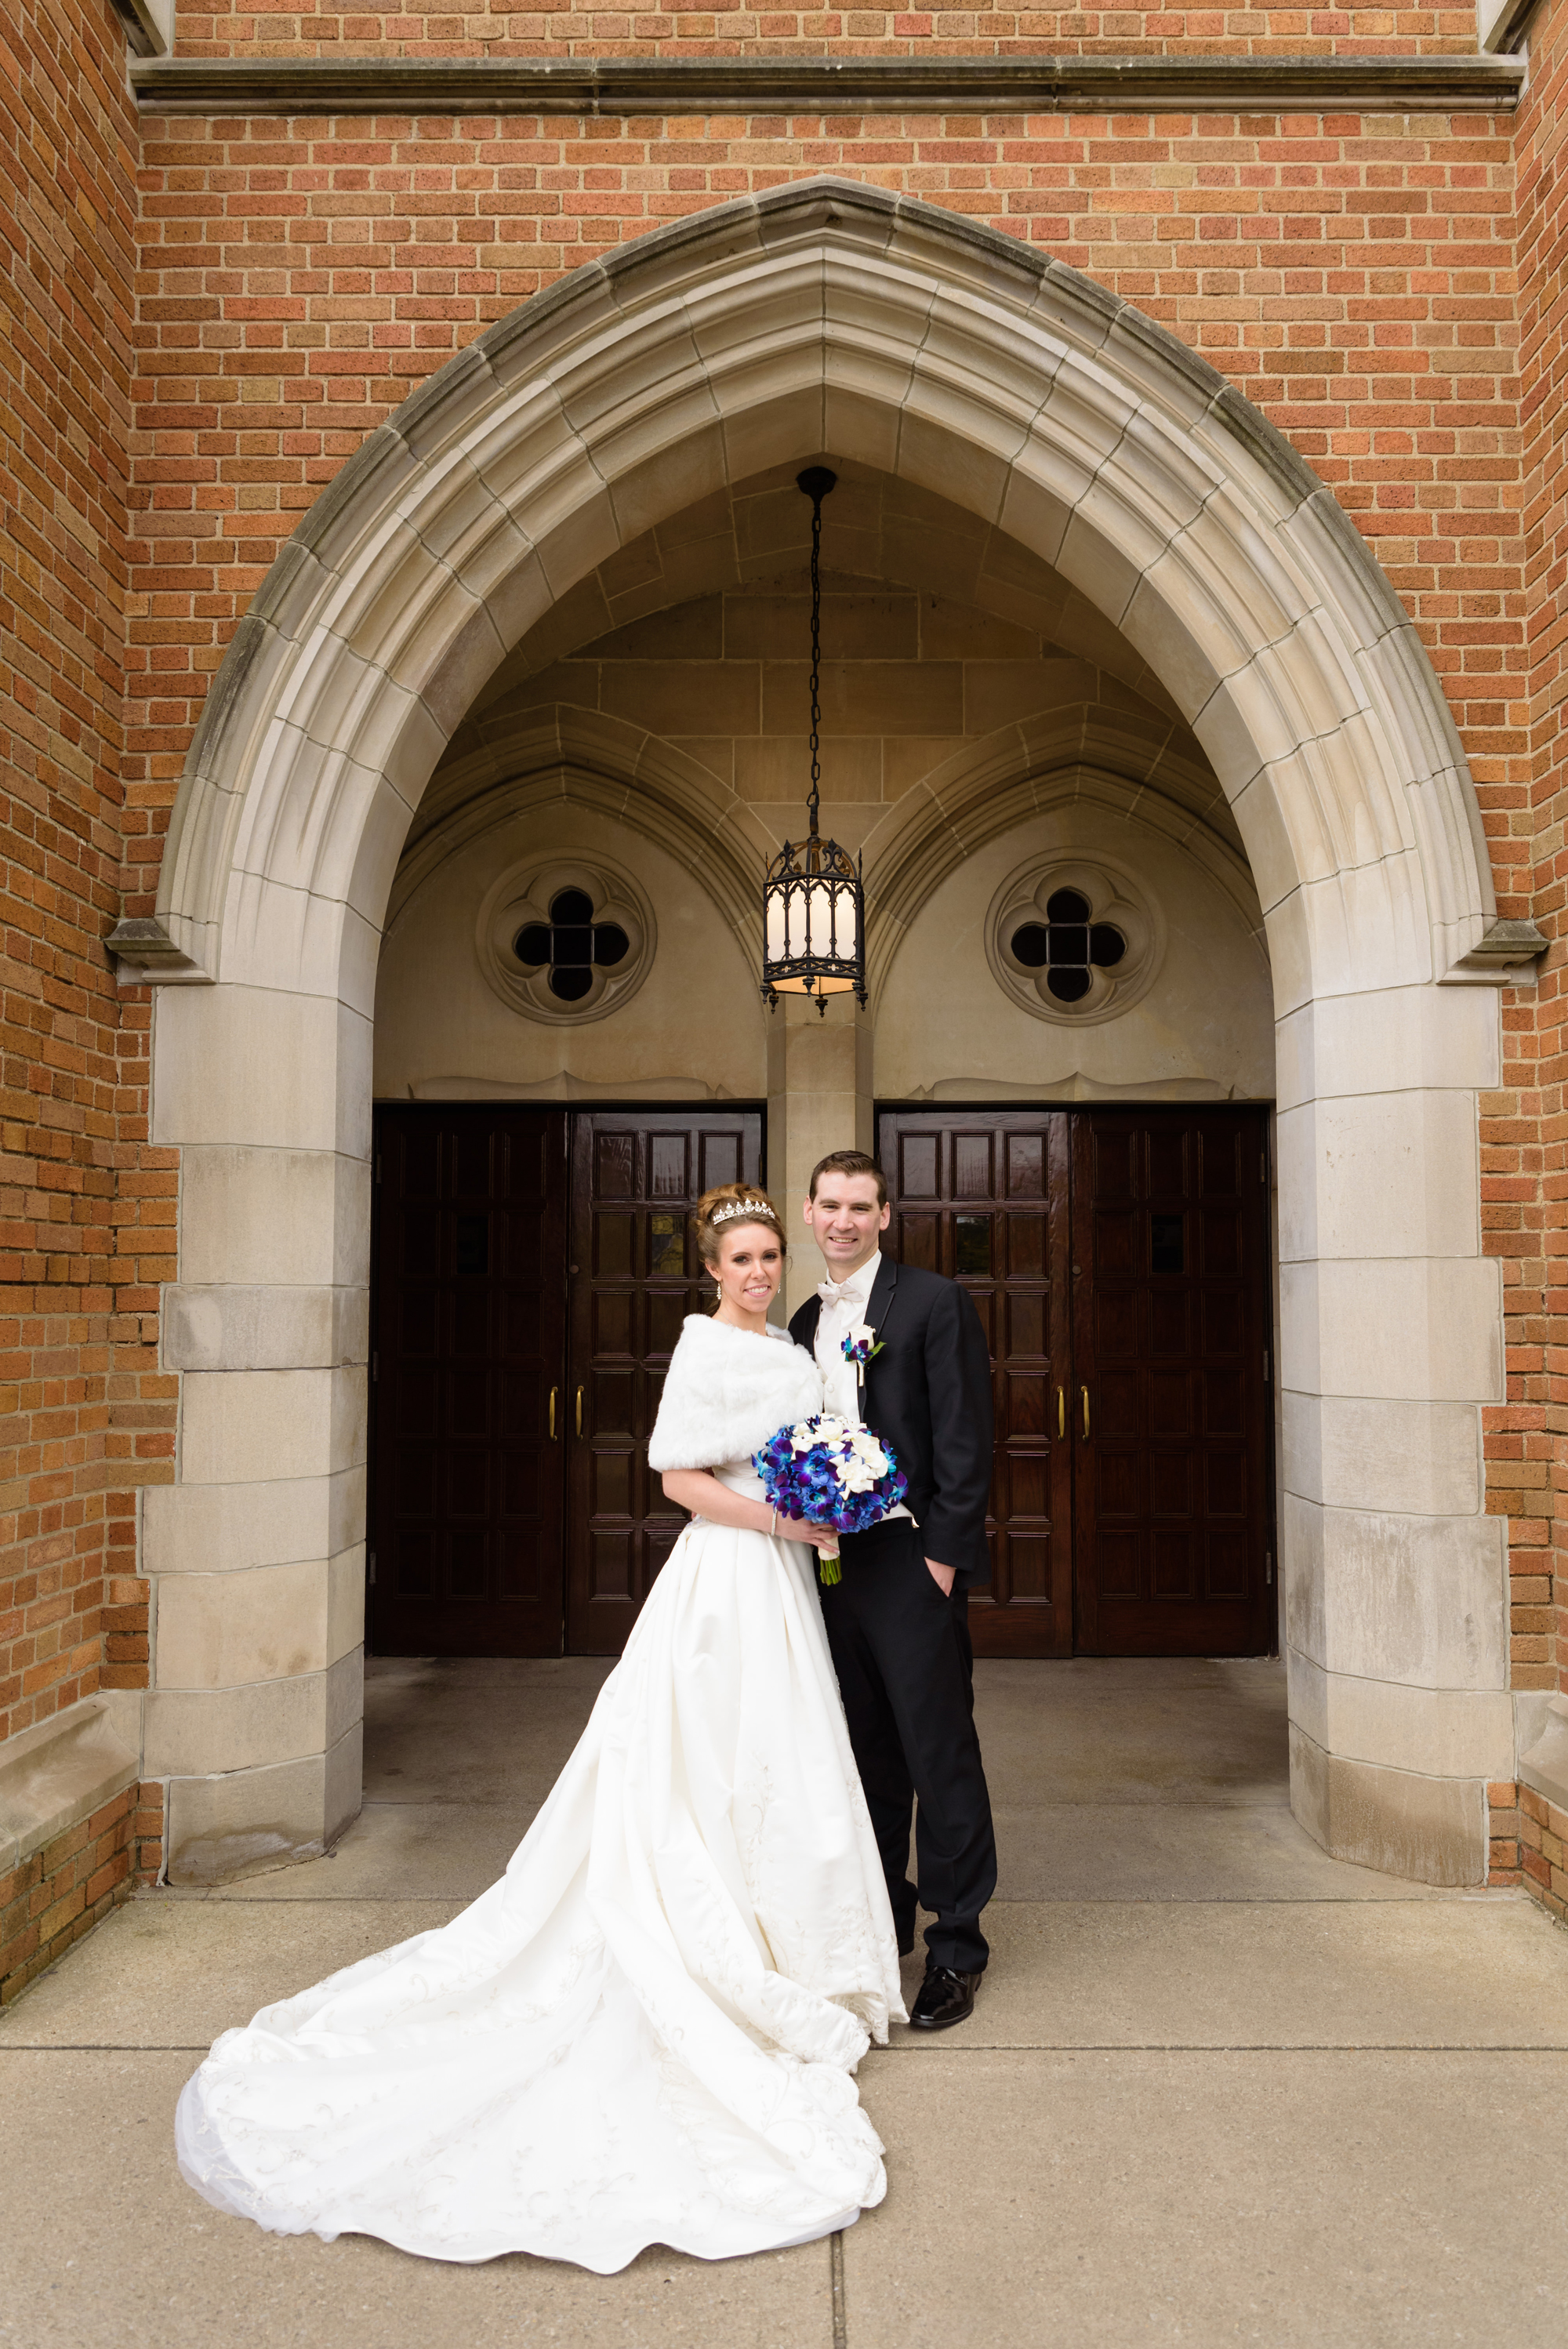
(645, 2032)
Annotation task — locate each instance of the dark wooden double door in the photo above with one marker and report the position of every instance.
(1119, 1261)
(532, 1268)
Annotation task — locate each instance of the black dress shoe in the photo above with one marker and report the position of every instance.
(943, 1999)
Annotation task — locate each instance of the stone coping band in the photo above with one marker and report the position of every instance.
(56, 1774)
(823, 85)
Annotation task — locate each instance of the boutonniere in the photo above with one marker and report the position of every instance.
(859, 1346)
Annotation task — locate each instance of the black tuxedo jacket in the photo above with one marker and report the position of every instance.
(928, 1393)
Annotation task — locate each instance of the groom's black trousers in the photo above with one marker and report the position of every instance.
(906, 1672)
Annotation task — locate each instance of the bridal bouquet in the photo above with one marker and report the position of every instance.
(828, 1473)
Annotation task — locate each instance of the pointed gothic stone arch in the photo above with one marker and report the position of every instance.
(601, 762)
(830, 318)
(995, 783)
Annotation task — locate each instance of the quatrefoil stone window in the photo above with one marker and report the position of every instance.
(1073, 941)
(565, 941)
(571, 946)
(1067, 946)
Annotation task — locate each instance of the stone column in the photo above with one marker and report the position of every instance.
(818, 1099)
(1395, 1578)
(256, 1555)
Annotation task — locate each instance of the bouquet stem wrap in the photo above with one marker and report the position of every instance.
(824, 1471)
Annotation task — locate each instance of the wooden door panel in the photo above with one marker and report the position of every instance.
(722, 1157)
(467, 1487)
(983, 1198)
(1024, 1158)
(1171, 1323)
(1161, 1508)
(636, 1175)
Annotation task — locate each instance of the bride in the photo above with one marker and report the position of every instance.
(645, 2032)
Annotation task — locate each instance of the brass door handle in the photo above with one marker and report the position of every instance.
(1084, 1392)
(1061, 1411)
(578, 1411)
(554, 1392)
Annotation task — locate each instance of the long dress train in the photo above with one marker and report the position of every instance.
(643, 2033)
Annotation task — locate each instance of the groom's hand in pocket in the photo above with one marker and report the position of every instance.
(942, 1576)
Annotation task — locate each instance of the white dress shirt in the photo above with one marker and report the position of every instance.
(844, 1304)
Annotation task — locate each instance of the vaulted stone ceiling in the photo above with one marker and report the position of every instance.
(940, 633)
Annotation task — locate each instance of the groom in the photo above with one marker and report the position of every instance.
(897, 1619)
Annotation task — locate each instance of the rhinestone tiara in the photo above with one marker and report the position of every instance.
(727, 1214)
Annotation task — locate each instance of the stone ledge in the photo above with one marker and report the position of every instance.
(1544, 1767)
(822, 85)
(145, 956)
(59, 1772)
(148, 26)
(1504, 24)
(1505, 954)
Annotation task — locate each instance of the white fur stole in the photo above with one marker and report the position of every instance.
(727, 1391)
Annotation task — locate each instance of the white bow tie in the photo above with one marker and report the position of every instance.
(832, 1293)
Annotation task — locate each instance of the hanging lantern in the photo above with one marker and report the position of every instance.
(813, 901)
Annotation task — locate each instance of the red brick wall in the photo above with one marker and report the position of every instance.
(1356, 280)
(723, 29)
(1525, 1131)
(70, 1886)
(1543, 1851)
(81, 1418)
(1530, 1846)
(1502, 1829)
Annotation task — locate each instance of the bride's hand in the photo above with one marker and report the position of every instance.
(816, 1537)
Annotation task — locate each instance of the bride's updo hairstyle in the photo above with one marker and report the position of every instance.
(726, 1209)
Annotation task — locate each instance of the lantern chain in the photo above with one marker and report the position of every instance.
(816, 655)
(814, 897)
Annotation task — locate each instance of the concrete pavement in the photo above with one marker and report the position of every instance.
(1219, 2088)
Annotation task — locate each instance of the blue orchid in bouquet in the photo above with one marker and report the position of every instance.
(827, 1472)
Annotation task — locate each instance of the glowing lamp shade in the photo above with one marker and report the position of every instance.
(813, 922)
